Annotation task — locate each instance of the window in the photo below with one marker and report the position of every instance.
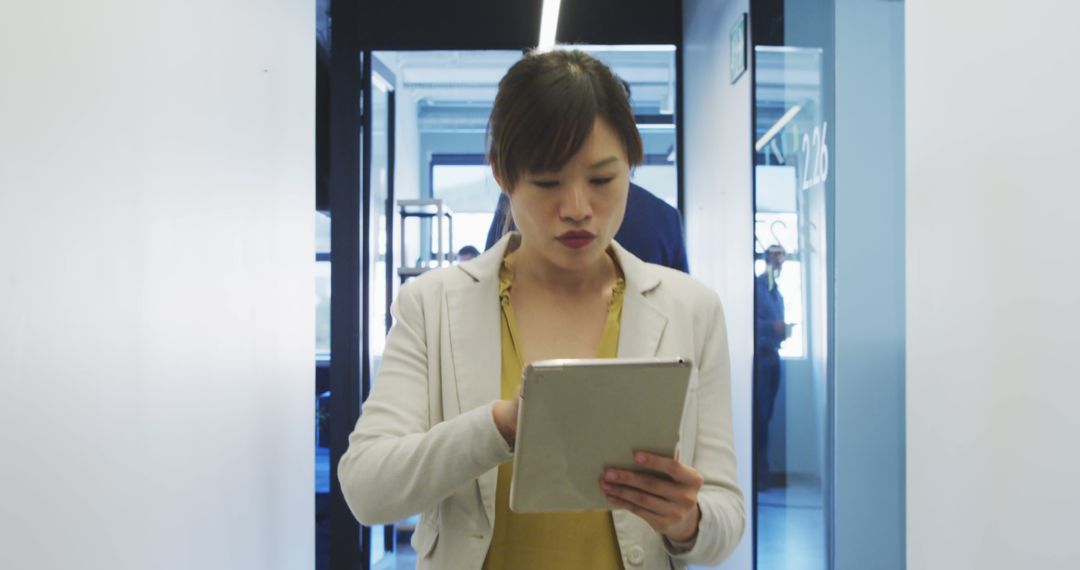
(782, 229)
(469, 189)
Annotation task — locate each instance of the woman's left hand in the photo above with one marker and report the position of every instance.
(669, 506)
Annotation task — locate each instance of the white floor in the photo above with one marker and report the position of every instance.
(404, 559)
(791, 528)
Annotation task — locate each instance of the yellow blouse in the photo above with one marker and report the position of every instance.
(549, 540)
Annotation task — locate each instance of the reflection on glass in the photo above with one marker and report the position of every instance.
(322, 387)
(377, 240)
(781, 229)
(658, 178)
(791, 184)
(322, 286)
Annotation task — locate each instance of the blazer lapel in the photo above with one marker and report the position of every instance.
(474, 342)
(474, 313)
(642, 326)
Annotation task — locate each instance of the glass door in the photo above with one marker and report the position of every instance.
(379, 540)
(793, 196)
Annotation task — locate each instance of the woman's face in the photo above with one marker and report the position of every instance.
(569, 217)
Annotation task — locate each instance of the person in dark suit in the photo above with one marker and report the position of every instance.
(771, 331)
(651, 229)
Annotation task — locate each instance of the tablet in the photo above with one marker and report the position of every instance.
(578, 417)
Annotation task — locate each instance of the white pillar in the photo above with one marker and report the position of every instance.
(156, 284)
(992, 283)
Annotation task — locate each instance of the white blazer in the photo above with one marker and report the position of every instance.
(426, 441)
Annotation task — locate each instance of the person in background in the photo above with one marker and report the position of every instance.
(437, 433)
(771, 331)
(651, 228)
(466, 253)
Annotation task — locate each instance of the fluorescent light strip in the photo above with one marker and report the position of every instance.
(380, 82)
(655, 127)
(776, 128)
(620, 48)
(549, 23)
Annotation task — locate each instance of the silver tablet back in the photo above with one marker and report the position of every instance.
(578, 417)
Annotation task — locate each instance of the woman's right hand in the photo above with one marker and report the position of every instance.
(506, 415)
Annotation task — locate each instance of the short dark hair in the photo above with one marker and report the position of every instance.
(546, 107)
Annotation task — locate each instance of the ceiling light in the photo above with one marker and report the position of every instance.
(775, 129)
(549, 23)
(648, 48)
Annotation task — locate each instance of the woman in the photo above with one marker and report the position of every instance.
(436, 435)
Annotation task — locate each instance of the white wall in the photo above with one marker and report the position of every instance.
(156, 284)
(992, 386)
(719, 210)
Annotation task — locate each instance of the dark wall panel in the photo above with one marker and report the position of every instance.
(513, 24)
(615, 22)
(439, 24)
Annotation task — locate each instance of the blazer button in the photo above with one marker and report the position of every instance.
(636, 555)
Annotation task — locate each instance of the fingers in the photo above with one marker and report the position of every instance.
(669, 507)
(655, 520)
(671, 467)
(648, 491)
(634, 498)
(644, 482)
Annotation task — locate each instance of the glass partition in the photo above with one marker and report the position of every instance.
(792, 189)
(381, 544)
